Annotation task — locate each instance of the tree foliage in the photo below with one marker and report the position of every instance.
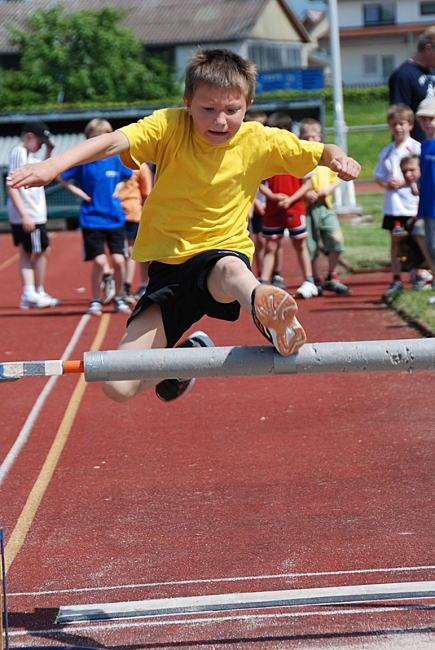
(82, 57)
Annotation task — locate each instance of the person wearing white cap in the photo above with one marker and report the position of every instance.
(27, 212)
(426, 207)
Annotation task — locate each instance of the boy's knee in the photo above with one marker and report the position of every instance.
(118, 391)
(118, 260)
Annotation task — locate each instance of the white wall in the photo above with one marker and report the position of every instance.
(352, 62)
(350, 12)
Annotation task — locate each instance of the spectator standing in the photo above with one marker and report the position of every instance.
(399, 202)
(426, 206)
(285, 209)
(27, 213)
(101, 218)
(133, 195)
(322, 222)
(418, 258)
(414, 79)
(256, 212)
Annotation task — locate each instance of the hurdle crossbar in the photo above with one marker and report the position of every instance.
(361, 356)
(255, 600)
(236, 361)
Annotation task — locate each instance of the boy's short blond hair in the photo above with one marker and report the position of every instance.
(222, 69)
(256, 116)
(310, 121)
(98, 124)
(410, 158)
(280, 120)
(401, 111)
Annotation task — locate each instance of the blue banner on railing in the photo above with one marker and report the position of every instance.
(301, 79)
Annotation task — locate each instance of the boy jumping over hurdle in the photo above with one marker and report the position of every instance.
(194, 223)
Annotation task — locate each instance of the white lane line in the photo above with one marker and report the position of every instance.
(207, 619)
(253, 600)
(147, 585)
(33, 415)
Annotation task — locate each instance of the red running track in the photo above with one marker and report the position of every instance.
(244, 484)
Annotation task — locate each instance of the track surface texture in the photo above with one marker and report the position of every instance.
(243, 485)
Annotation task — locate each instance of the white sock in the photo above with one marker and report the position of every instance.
(40, 289)
(28, 290)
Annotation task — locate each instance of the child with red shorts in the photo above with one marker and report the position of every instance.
(285, 210)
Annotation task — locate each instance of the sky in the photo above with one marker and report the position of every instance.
(299, 6)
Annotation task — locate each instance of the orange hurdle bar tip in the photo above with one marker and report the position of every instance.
(73, 366)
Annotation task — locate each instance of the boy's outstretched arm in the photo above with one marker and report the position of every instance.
(36, 174)
(334, 157)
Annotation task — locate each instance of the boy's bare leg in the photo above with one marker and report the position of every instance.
(269, 259)
(26, 267)
(273, 309)
(429, 261)
(230, 279)
(145, 331)
(303, 256)
(99, 264)
(333, 259)
(396, 265)
(39, 266)
(119, 272)
(130, 265)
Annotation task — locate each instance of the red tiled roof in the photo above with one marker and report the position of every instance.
(163, 21)
(378, 30)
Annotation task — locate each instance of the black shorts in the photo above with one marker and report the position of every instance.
(131, 228)
(181, 291)
(256, 222)
(32, 242)
(94, 240)
(390, 221)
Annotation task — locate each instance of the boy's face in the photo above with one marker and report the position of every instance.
(217, 113)
(411, 171)
(33, 143)
(427, 123)
(400, 128)
(311, 133)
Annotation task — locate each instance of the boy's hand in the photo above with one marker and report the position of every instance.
(311, 196)
(285, 203)
(27, 223)
(32, 175)
(347, 169)
(395, 183)
(415, 190)
(277, 197)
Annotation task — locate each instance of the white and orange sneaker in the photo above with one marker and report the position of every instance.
(274, 313)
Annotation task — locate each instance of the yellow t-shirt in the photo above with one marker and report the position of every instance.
(322, 177)
(202, 192)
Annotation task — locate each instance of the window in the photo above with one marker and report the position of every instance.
(427, 8)
(387, 67)
(370, 63)
(379, 15)
(274, 57)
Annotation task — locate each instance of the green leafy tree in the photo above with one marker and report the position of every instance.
(83, 56)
